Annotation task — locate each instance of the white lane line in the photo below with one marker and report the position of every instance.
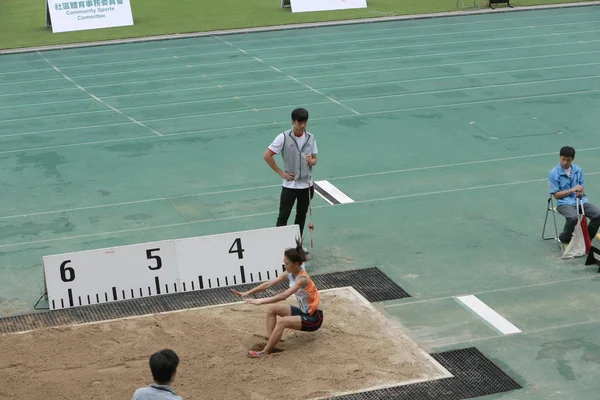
(79, 128)
(422, 45)
(295, 46)
(397, 171)
(138, 201)
(265, 213)
(442, 343)
(368, 72)
(465, 88)
(420, 67)
(494, 185)
(333, 100)
(505, 289)
(336, 63)
(272, 124)
(442, 77)
(304, 56)
(289, 76)
(401, 27)
(99, 99)
(399, 38)
(397, 27)
(435, 55)
(308, 90)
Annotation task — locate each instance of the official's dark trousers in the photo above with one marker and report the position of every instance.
(286, 203)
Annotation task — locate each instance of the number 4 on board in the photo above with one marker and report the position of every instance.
(238, 245)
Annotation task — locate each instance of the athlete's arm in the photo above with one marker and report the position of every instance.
(300, 283)
(263, 286)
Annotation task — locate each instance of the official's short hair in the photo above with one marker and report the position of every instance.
(567, 151)
(163, 364)
(300, 115)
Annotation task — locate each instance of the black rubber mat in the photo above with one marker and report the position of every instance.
(474, 376)
(372, 283)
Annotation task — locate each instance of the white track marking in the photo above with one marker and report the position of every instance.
(112, 233)
(397, 171)
(319, 103)
(407, 302)
(443, 77)
(289, 76)
(366, 60)
(379, 49)
(400, 27)
(99, 99)
(472, 88)
(472, 22)
(271, 124)
(311, 45)
(400, 38)
(436, 55)
(424, 45)
(528, 332)
(420, 67)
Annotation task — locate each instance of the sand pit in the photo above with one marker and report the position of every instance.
(357, 348)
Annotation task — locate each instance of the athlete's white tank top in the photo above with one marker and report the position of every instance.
(301, 295)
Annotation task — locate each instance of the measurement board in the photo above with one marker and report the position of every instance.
(169, 266)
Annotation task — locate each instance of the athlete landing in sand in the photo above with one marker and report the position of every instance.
(306, 317)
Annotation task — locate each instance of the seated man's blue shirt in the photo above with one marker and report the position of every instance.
(559, 181)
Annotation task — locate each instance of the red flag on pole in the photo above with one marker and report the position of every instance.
(586, 235)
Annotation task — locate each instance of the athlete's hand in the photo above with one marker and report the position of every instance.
(253, 301)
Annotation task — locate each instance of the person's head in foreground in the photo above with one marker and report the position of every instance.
(163, 365)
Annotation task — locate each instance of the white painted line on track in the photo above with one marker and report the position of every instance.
(291, 77)
(481, 20)
(380, 49)
(112, 233)
(311, 45)
(99, 99)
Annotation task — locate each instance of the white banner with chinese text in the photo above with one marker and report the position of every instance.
(82, 15)
(326, 5)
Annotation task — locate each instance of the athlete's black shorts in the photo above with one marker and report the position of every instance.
(310, 323)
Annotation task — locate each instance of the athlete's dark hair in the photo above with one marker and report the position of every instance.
(297, 254)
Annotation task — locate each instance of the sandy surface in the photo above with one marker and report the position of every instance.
(356, 348)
